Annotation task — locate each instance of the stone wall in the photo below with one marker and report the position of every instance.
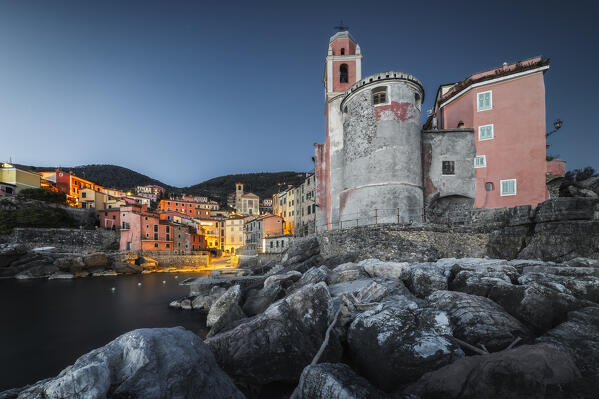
(66, 240)
(557, 230)
(171, 260)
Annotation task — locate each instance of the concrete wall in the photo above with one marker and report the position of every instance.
(448, 145)
(381, 151)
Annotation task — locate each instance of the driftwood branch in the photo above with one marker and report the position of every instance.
(323, 346)
(471, 347)
(518, 339)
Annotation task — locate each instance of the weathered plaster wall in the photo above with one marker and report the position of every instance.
(381, 153)
(448, 145)
(336, 161)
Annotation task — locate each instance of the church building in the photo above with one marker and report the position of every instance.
(482, 146)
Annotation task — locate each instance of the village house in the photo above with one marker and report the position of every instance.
(276, 244)
(284, 206)
(258, 229)
(305, 207)
(109, 218)
(12, 176)
(234, 235)
(71, 185)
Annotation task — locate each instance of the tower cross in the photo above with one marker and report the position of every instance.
(341, 27)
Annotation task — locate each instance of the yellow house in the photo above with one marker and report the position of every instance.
(21, 178)
(89, 198)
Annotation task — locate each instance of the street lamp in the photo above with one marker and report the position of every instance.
(557, 125)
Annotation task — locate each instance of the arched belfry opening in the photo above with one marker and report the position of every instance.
(343, 76)
(342, 51)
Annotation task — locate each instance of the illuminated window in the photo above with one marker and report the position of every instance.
(379, 95)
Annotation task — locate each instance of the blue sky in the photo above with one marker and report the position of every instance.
(184, 91)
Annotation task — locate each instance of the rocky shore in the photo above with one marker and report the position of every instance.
(314, 327)
(20, 262)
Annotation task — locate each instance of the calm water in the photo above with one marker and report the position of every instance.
(47, 324)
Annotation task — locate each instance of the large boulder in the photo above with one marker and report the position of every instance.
(145, 363)
(11, 252)
(259, 300)
(276, 345)
(563, 209)
(223, 304)
(335, 381)
(396, 342)
(582, 287)
(478, 320)
(579, 336)
(204, 302)
(424, 279)
(379, 268)
(522, 373)
(72, 264)
(313, 276)
(285, 279)
(37, 269)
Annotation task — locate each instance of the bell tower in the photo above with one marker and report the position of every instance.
(342, 68)
(343, 65)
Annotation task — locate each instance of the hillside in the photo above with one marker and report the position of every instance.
(263, 184)
(112, 176)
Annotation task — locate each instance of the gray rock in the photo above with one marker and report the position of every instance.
(424, 279)
(335, 381)
(61, 276)
(562, 209)
(204, 302)
(231, 297)
(37, 269)
(145, 363)
(584, 287)
(521, 373)
(312, 276)
(259, 300)
(348, 287)
(582, 262)
(276, 345)
(186, 304)
(203, 285)
(228, 320)
(10, 253)
(396, 342)
(285, 279)
(579, 336)
(478, 320)
(72, 264)
(379, 268)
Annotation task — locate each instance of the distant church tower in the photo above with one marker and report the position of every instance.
(343, 68)
(238, 194)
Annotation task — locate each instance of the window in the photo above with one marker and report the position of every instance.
(271, 244)
(489, 186)
(379, 95)
(480, 161)
(485, 132)
(485, 100)
(155, 245)
(155, 236)
(83, 195)
(168, 245)
(155, 228)
(342, 51)
(508, 187)
(282, 244)
(343, 76)
(417, 101)
(448, 168)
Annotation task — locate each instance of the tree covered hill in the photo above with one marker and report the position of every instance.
(263, 184)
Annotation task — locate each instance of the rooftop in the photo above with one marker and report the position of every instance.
(341, 35)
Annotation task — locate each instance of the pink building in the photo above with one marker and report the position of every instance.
(506, 108)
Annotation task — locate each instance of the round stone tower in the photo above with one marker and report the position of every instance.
(381, 150)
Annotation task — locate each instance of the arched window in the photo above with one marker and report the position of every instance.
(342, 51)
(343, 78)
